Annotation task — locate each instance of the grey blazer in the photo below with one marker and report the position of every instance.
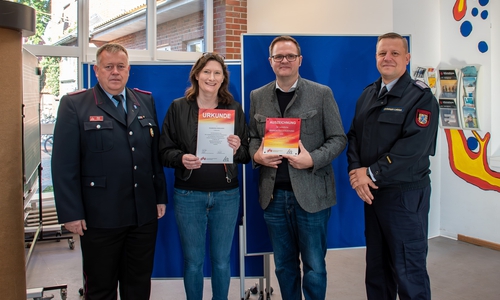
(321, 133)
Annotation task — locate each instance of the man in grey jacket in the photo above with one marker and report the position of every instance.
(297, 191)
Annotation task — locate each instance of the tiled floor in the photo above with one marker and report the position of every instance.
(458, 271)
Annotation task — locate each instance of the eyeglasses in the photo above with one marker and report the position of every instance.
(208, 54)
(289, 57)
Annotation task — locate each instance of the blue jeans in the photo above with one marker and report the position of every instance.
(194, 212)
(296, 233)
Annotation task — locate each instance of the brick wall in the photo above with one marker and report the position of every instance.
(177, 33)
(230, 21)
(136, 40)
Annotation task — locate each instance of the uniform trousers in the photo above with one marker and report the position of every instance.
(121, 257)
(396, 230)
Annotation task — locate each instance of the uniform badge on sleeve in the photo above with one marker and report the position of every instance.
(423, 117)
(151, 132)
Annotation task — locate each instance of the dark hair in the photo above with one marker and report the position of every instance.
(393, 35)
(223, 94)
(284, 38)
(111, 48)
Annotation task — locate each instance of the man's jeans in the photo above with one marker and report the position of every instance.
(194, 211)
(295, 232)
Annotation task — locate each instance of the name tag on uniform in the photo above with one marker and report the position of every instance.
(393, 108)
(96, 118)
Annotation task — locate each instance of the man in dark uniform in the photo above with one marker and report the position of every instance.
(109, 184)
(392, 135)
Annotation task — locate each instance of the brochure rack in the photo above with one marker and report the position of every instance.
(457, 98)
(455, 90)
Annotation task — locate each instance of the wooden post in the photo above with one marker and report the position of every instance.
(15, 20)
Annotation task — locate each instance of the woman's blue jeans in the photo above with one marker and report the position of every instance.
(196, 211)
(296, 233)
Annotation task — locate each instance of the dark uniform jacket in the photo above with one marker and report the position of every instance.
(394, 134)
(105, 169)
(180, 133)
(321, 133)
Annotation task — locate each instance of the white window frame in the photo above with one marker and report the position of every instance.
(86, 54)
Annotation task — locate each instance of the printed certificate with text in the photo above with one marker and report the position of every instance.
(214, 127)
(282, 136)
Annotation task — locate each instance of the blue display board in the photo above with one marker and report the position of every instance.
(347, 65)
(168, 82)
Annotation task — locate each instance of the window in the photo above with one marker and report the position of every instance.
(118, 21)
(59, 76)
(177, 23)
(187, 24)
(195, 46)
(169, 27)
(56, 22)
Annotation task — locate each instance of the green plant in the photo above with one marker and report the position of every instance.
(49, 79)
(42, 8)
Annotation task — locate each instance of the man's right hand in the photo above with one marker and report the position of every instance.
(268, 160)
(361, 183)
(76, 226)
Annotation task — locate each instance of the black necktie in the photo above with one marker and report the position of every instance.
(383, 91)
(120, 108)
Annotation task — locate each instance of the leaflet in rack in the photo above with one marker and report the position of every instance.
(448, 98)
(427, 75)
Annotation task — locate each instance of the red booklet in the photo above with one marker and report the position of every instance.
(282, 136)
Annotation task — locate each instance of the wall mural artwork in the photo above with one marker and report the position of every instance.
(468, 159)
(459, 12)
(468, 155)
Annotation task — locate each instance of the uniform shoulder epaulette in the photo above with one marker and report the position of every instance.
(368, 86)
(76, 92)
(422, 85)
(142, 91)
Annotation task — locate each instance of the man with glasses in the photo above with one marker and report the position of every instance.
(297, 191)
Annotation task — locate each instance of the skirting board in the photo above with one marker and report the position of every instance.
(478, 242)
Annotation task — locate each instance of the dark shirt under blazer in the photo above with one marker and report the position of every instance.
(321, 133)
(105, 170)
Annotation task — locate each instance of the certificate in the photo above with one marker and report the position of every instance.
(282, 136)
(214, 126)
